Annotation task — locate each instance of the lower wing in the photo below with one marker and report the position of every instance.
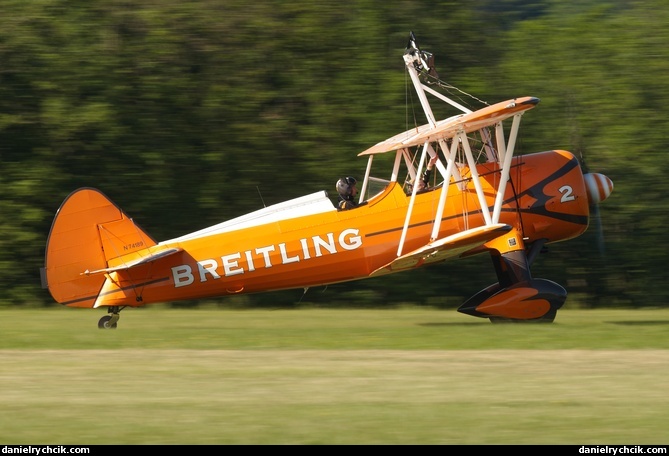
(445, 248)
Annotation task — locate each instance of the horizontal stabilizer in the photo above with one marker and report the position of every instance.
(139, 261)
(442, 249)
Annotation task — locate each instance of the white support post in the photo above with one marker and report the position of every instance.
(506, 168)
(446, 99)
(446, 173)
(409, 60)
(501, 147)
(475, 177)
(486, 139)
(363, 190)
(396, 165)
(411, 201)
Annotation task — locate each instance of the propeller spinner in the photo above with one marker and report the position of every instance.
(598, 187)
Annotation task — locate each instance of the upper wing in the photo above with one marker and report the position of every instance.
(442, 249)
(448, 128)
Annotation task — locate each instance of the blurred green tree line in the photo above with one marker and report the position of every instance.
(189, 113)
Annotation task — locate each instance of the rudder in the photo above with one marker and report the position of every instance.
(89, 232)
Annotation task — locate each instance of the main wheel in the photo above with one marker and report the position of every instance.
(549, 317)
(105, 323)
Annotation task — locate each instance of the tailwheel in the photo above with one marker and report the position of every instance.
(110, 321)
(106, 323)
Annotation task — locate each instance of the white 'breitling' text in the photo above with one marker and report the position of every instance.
(348, 240)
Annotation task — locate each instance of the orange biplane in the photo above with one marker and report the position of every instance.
(482, 199)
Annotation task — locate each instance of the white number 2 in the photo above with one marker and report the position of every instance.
(566, 191)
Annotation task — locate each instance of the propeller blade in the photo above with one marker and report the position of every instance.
(594, 214)
(598, 188)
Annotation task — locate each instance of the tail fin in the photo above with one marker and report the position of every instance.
(88, 233)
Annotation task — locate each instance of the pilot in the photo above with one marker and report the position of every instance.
(347, 192)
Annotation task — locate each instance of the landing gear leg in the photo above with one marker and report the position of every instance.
(516, 297)
(110, 321)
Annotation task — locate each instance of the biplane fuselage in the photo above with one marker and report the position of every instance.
(483, 200)
(305, 242)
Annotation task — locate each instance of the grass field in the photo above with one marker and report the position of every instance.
(324, 376)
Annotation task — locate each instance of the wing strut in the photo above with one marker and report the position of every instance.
(450, 163)
(363, 191)
(462, 136)
(506, 164)
(411, 201)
